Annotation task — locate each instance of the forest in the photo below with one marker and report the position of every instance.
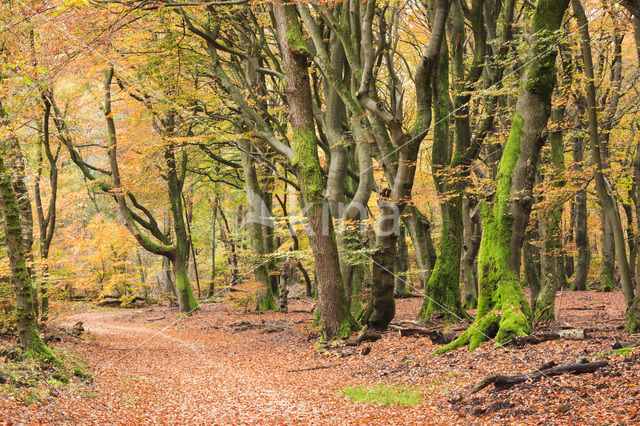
(319, 211)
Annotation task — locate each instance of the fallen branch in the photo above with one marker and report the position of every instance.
(319, 367)
(504, 382)
(155, 319)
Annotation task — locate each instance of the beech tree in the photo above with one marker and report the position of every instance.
(501, 300)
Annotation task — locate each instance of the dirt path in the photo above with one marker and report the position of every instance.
(224, 367)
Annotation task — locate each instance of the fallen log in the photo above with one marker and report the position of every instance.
(155, 319)
(535, 338)
(502, 382)
(438, 335)
(629, 344)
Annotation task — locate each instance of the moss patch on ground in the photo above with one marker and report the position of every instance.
(383, 395)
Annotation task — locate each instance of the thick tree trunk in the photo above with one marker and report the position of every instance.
(501, 300)
(28, 336)
(334, 312)
(180, 259)
(15, 163)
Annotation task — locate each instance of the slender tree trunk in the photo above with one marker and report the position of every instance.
(531, 255)
(419, 229)
(471, 245)
(189, 219)
(265, 299)
(227, 237)
(402, 265)
(214, 213)
(606, 198)
(583, 258)
(552, 272)
(46, 223)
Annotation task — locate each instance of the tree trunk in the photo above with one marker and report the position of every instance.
(28, 336)
(583, 258)
(15, 163)
(402, 264)
(471, 244)
(255, 211)
(606, 198)
(501, 300)
(334, 312)
(212, 283)
(227, 238)
(46, 223)
(531, 255)
(442, 292)
(552, 271)
(607, 268)
(419, 229)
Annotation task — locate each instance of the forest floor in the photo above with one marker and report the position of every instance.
(223, 366)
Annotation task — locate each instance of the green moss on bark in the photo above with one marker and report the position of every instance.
(186, 299)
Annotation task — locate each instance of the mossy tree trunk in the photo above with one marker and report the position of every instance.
(451, 171)
(442, 292)
(501, 300)
(15, 163)
(28, 336)
(335, 316)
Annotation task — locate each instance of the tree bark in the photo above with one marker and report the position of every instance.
(265, 299)
(604, 195)
(28, 336)
(334, 312)
(501, 300)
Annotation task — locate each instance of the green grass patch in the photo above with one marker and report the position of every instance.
(383, 395)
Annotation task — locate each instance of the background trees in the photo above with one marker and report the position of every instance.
(232, 140)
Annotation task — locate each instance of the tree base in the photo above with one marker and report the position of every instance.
(633, 316)
(504, 325)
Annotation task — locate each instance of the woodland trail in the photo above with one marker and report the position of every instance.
(220, 366)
